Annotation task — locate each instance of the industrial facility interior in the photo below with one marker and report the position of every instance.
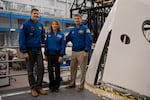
(118, 66)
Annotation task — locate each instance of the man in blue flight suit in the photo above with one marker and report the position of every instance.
(81, 38)
(31, 36)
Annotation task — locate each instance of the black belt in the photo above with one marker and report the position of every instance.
(33, 49)
(81, 49)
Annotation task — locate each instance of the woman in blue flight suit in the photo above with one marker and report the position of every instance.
(54, 51)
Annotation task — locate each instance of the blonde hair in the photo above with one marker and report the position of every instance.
(58, 28)
(77, 15)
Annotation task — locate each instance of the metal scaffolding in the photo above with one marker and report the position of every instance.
(95, 12)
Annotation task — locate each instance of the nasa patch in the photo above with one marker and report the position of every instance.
(88, 31)
(59, 36)
(40, 28)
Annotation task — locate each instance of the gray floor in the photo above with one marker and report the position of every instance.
(63, 94)
(19, 90)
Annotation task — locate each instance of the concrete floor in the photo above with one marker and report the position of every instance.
(18, 84)
(63, 94)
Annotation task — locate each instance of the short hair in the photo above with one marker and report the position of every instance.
(34, 9)
(77, 15)
(59, 26)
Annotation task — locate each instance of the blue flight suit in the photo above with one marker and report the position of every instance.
(54, 48)
(31, 36)
(55, 43)
(81, 38)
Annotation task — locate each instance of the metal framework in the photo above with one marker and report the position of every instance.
(95, 12)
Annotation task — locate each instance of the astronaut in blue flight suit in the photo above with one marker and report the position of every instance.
(54, 51)
(81, 38)
(31, 36)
